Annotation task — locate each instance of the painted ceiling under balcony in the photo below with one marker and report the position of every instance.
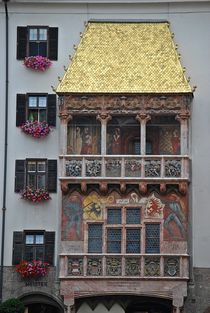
(125, 57)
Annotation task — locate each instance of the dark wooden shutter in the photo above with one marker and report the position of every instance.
(53, 43)
(19, 175)
(49, 247)
(20, 109)
(18, 247)
(51, 110)
(21, 42)
(52, 176)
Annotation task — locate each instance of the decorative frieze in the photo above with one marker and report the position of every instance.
(93, 168)
(74, 168)
(171, 266)
(96, 104)
(132, 267)
(94, 267)
(113, 266)
(173, 168)
(75, 266)
(152, 168)
(152, 266)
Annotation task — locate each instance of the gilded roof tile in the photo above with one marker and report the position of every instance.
(125, 57)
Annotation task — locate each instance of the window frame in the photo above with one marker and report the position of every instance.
(34, 246)
(37, 173)
(38, 40)
(37, 95)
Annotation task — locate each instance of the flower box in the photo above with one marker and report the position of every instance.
(36, 129)
(33, 269)
(37, 63)
(35, 195)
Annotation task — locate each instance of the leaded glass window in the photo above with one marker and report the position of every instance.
(133, 216)
(114, 240)
(133, 240)
(95, 238)
(152, 238)
(114, 216)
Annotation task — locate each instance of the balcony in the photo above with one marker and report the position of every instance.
(127, 167)
(116, 266)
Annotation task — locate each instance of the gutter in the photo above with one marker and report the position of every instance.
(5, 147)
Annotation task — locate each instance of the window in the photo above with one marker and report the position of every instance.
(152, 238)
(36, 173)
(37, 40)
(123, 232)
(33, 245)
(39, 107)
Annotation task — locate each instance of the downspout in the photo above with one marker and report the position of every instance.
(5, 147)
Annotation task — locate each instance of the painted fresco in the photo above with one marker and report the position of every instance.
(72, 223)
(169, 140)
(170, 211)
(83, 138)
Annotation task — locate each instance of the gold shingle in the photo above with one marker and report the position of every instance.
(125, 58)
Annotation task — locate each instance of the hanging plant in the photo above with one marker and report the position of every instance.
(37, 63)
(33, 269)
(36, 129)
(35, 195)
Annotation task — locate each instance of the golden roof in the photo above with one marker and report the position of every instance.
(125, 57)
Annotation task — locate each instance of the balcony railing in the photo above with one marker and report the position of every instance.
(141, 266)
(125, 167)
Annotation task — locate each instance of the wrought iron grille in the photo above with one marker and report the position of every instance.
(133, 216)
(152, 238)
(95, 238)
(114, 240)
(114, 216)
(133, 240)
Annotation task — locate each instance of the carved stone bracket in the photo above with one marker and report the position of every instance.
(65, 117)
(143, 188)
(183, 188)
(123, 187)
(83, 187)
(64, 187)
(162, 188)
(104, 117)
(143, 117)
(183, 116)
(103, 187)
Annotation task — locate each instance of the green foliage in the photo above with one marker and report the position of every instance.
(12, 306)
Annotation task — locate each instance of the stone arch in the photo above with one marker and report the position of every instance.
(42, 299)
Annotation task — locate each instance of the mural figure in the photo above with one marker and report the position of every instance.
(174, 221)
(116, 141)
(78, 141)
(175, 141)
(86, 141)
(72, 219)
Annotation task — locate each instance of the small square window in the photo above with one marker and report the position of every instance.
(33, 34)
(39, 239)
(114, 216)
(29, 239)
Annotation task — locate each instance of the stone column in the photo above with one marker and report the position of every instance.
(183, 119)
(143, 118)
(64, 119)
(103, 118)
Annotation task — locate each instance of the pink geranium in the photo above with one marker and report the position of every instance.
(35, 195)
(37, 63)
(32, 269)
(36, 129)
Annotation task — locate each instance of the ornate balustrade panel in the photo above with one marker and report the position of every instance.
(127, 167)
(142, 266)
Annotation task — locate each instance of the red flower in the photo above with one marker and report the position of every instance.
(32, 269)
(37, 63)
(35, 195)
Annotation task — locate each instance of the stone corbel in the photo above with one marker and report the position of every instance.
(103, 187)
(143, 117)
(143, 188)
(65, 117)
(183, 188)
(104, 117)
(162, 188)
(123, 187)
(83, 187)
(64, 187)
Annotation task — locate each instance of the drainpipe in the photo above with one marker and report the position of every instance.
(5, 148)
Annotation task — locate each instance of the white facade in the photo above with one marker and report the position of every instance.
(189, 21)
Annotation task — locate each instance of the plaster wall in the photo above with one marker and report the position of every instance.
(189, 21)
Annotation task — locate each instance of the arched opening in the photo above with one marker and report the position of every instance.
(41, 303)
(128, 304)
